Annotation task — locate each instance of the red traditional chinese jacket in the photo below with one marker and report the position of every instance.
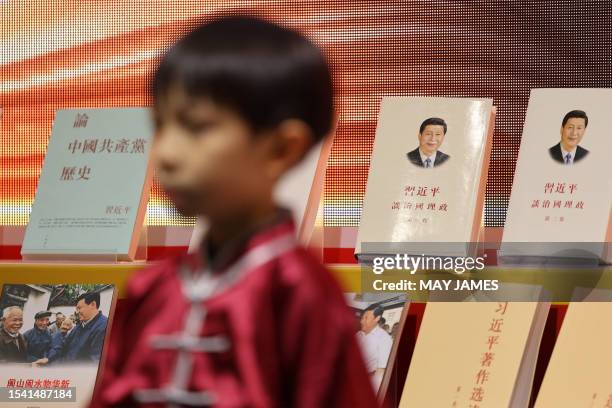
(265, 327)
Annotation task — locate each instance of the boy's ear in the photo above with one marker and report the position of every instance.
(292, 141)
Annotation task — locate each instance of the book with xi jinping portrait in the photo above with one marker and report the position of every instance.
(93, 188)
(427, 176)
(561, 195)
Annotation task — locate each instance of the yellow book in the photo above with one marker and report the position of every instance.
(579, 373)
(475, 354)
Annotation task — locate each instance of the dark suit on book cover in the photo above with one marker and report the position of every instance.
(557, 154)
(12, 349)
(415, 158)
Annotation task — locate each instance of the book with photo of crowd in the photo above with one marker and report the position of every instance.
(52, 338)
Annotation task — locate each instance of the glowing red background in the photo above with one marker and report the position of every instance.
(100, 53)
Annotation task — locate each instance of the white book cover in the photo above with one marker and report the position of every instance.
(560, 205)
(428, 172)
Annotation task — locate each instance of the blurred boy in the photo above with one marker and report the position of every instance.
(252, 320)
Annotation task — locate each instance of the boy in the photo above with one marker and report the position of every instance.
(252, 320)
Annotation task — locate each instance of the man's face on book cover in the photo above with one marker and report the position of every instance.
(86, 311)
(66, 326)
(368, 321)
(42, 323)
(572, 133)
(431, 139)
(14, 321)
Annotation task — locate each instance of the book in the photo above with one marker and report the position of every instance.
(560, 206)
(53, 339)
(475, 354)
(427, 177)
(94, 186)
(379, 322)
(578, 373)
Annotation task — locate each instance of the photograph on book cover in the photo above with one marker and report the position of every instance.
(51, 341)
(379, 321)
(573, 128)
(431, 137)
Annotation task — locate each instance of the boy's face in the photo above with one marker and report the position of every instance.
(207, 158)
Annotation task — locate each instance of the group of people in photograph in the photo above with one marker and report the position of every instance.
(74, 338)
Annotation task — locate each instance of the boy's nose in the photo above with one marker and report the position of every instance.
(167, 163)
(168, 156)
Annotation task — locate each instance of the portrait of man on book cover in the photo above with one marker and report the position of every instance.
(573, 128)
(431, 136)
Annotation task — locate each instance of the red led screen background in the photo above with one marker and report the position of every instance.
(100, 53)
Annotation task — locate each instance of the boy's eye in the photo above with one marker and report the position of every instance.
(197, 126)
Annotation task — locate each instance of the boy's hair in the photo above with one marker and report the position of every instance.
(266, 72)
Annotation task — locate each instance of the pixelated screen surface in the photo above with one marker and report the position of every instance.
(100, 53)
